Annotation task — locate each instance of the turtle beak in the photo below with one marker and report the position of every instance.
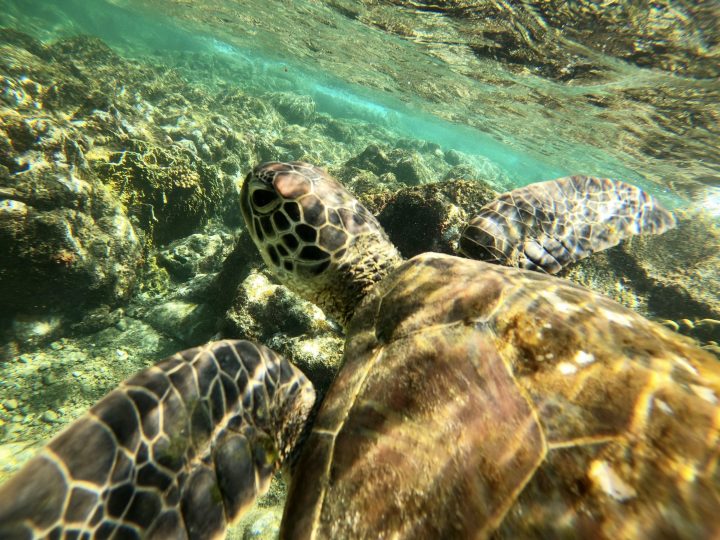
(259, 195)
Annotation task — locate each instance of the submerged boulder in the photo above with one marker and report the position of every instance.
(67, 244)
(428, 217)
(407, 165)
(272, 314)
(170, 190)
(296, 109)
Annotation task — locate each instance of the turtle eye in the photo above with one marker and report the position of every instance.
(264, 200)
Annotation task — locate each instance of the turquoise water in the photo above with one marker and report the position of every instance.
(143, 30)
(532, 147)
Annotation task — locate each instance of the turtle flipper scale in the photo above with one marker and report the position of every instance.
(548, 225)
(177, 451)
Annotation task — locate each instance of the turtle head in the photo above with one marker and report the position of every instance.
(315, 235)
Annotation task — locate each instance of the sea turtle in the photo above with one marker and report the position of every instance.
(474, 399)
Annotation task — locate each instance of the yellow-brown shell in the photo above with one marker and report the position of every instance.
(477, 400)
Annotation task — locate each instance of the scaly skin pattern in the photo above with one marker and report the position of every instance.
(479, 401)
(548, 225)
(177, 451)
(315, 236)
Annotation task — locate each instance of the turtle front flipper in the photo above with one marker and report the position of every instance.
(548, 225)
(177, 451)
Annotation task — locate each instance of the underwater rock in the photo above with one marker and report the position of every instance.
(274, 315)
(341, 131)
(210, 136)
(68, 245)
(171, 191)
(50, 417)
(67, 74)
(10, 404)
(319, 357)
(266, 150)
(420, 145)
(463, 171)
(373, 158)
(308, 143)
(294, 144)
(88, 183)
(97, 319)
(482, 169)
(428, 217)
(20, 134)
(87, 52)
(374, 187)
(260, 524)
(185, 288)
(152, 137)
(262, 309)
(407, 165)
(296, 109)
(189, 323)
(248, 113)
(453, 157)
(409, 168)
(21, 41)
(194, 254)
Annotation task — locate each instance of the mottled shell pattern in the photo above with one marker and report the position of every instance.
(477, 400)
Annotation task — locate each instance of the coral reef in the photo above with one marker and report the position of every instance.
(171, 191)
(406, 165)
(68, 244)
(295, 109)
(102, 160)
(429, 217)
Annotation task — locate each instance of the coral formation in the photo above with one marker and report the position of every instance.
(68, 244)
(406, 165)
(429, 217)
(270, 313)
(170, 190)
(296, 109)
